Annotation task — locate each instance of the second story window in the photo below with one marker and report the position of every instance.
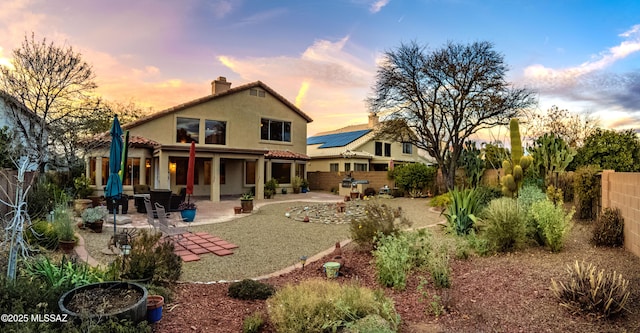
(387, 149)
(378, 148)
(275, 130)
(215, 132)
(187, 130)
(407, 148)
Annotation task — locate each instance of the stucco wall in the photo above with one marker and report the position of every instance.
(325, 181)
(622, 190)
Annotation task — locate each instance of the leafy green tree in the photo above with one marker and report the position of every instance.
(414, 177)
(436, 100)
(609, 149)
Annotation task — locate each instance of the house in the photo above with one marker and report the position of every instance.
(26, 125)
(355, 148)
(244, 136)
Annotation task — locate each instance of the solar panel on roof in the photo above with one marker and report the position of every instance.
(336, 140)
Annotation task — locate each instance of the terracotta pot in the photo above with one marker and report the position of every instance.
(66, 246)
(247, 206)
(95, 226)
(237, 210)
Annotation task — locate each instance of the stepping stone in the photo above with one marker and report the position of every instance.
(200, 250)
(207, 236)
(183, 252)
(228, 246)
(121, 219)
(216, 239)
(190, 257)
(194, 246)
(201, 233)
(213, 248)
(223, 252)
(221, 242)
(178, 247)
(200, 241)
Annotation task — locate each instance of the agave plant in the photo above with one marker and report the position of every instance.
(462, 211)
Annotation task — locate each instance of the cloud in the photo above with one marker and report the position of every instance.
(377, 5)
(221, 8)
(591, 85)
(338, 81)
(260, 17)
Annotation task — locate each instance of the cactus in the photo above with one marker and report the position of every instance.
(552, 154)
(515, 169)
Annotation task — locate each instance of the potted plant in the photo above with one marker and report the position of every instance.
(93, 218)
(63, 225)
(246, 202)
(187, 211)
(268, 194)
(304, 185)
(296, 182)
(270, 186)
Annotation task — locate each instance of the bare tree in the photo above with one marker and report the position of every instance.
(56, 85)
(571, 127)
(437, 100)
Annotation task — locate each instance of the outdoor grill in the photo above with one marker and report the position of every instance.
(350, 181)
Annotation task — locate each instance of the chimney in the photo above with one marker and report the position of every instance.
(373, 120)
(220, 85)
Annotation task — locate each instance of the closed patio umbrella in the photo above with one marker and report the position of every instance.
(114, 184)
(191, 169)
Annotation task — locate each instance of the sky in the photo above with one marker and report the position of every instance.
(581, 55)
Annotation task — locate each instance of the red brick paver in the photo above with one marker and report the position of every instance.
(190, 246)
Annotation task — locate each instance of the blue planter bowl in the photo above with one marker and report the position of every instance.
(188, 215)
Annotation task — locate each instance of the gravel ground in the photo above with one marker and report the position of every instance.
(267, 240)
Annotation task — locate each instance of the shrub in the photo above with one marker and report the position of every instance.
(488, 193)
(369, 324)
(65, 275)
(442, 200)
(379, 218)
(325, 306)
(370, 191)
(565, 183)
(530, 194)
(609, 228)
(506, 229)
(439, 265)
(414, 177)
(553, 223)
(248, 289)
(252, 323)
(151, 258)
(555, 195)
(393, 260)
(586, 191)
(461, 213)
(42, 233)
(592, 292)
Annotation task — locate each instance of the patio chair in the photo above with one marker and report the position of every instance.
(166, 227)
(150, 218)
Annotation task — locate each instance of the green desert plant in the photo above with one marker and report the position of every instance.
(324, 306)
(553, 223)
(590, 291)
(442, 200)
(506, 230)
(586, 190)
(393, 260)
(253, 323)
(151, 258)
(462, 213)
(378, 218)
(515, 168)
(608, 229)
(552, 155)
(472, 163)
(248, 289)
(65, 275)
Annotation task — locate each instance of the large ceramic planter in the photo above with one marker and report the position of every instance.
(188, 215)
(66, 246)
(95, 226)
(136, 312)
(247, 206)
(79, 205)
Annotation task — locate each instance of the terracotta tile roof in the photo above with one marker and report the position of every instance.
(285, 154)
(104, 139)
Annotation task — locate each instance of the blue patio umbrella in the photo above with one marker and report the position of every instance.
(114, 184)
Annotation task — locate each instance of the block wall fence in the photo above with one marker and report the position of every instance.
(325, 181)
(622, 190)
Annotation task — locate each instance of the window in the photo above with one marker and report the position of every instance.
(407, 148)
(387, 149)
(257, 92)
(281, 172)
(379, 166)
(275, 130)
(187, 130)
(333, 167)
(360, 167)
(132, 172)
(215, 132)
(250, 172)
(92, 171)
(347, 167)
(182, 164)
(300, 170)
(378, 148)
(105, 170)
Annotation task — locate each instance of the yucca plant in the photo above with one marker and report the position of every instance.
(592, 291)
(462, 211)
